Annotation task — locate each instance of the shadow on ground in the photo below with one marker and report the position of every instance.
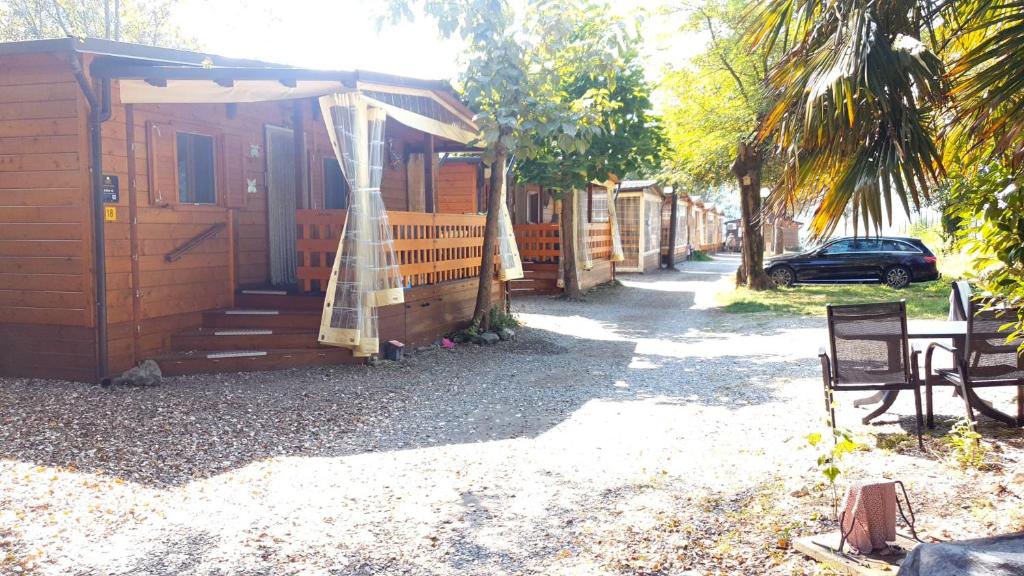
(625, 343)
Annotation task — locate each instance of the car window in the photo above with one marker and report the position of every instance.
(840, 247)
(897, 246)
(865, 245)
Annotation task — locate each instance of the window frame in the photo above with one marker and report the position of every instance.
(532, 218)
(214, 168)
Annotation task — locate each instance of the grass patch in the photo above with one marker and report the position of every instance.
(700, 256)
(924, 300)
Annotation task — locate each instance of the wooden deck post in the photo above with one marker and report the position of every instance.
(133, 233)
(671, 263)
(428, 173)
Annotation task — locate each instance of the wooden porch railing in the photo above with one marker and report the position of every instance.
(599, 240)
(537, 242)
(431, 248)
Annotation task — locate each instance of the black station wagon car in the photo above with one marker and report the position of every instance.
(893, 261)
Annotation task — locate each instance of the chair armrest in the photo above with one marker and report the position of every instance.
(826, 365)
(931, 350)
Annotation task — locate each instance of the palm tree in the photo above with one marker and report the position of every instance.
(988, 86)
(868, 88)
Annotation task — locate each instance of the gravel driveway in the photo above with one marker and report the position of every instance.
(639, 432)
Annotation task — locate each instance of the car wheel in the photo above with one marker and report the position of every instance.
(897, 277)
(782, 276)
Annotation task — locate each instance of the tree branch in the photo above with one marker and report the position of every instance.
(724, 60)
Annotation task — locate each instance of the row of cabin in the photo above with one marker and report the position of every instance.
(208, 240)
(644, 216)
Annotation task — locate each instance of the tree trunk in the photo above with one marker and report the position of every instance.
(747, 169)
(568, 240)
(778, 242)
(481, 314)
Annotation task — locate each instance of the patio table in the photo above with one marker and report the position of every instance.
(955, 330)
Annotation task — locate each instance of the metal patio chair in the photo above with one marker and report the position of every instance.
(869, 351)
(960, 300)
(987, 361)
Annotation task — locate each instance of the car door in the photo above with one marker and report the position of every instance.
(867, 260)
(828, 264)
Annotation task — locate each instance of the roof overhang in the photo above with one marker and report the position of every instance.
(167, 84)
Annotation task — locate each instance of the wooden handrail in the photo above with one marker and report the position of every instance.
(196, 240)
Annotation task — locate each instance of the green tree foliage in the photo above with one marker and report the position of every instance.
(141, 21)
(883, 102)
(868, 93)
(854, 102)
(518, 65)
(630, 140)
(630, 144)
(712, 101)
(715, 104)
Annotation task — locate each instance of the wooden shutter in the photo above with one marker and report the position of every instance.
(416, 189)
(234, 172)
(160, 158)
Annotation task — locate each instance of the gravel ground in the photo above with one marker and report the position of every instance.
(639, 432)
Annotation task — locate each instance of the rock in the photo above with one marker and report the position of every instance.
(506, 334)
(146, 374)
(800, 492)
(487, 339)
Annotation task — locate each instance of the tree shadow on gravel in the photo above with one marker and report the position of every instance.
(196, 427)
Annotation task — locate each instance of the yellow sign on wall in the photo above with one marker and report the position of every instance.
(110, 213)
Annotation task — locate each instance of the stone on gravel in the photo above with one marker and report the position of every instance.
(146, 374)
(487, 339)
(506, 334)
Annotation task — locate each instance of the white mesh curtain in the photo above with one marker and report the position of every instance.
(613, 220)
(365, 274)
(510, 263)
(579, 215)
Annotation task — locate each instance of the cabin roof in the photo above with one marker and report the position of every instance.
(128, 60)
(630, 185)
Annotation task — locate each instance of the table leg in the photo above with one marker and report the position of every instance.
(873, 399)
(888, 399)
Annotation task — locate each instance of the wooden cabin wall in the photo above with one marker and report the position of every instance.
(47, 316)
(602, 273)
(46, 290)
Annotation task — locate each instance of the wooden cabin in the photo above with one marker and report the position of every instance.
(538, 230)
(681, 248)
(781, 235)
(207, 237)
(639, 209)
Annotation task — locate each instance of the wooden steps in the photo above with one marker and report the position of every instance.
(237, 318)
(266, 330)
(242, 339)
(200, 363)
(539, 278)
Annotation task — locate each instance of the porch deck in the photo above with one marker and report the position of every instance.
(439, 257)
(540, 248)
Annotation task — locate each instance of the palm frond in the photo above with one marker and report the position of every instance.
(854, 101)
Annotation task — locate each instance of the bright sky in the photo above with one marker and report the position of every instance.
(320, 34)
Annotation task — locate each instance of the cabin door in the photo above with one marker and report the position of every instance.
(281, 205)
